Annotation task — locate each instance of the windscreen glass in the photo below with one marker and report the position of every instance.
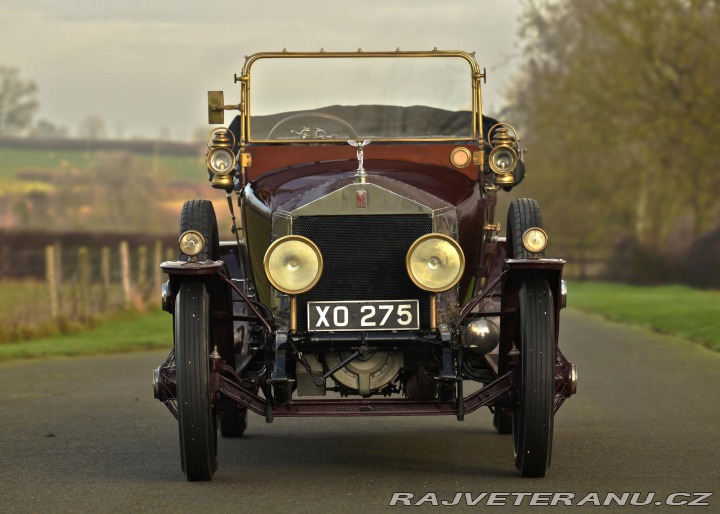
(357, 98)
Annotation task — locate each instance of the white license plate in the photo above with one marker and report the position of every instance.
(361, 315)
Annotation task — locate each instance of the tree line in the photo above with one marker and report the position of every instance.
(19, 105)
(619, 105)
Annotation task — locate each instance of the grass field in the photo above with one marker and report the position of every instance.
(677, 310)
(129, 332)
(189, 169)
(674, 310)
(25, 309)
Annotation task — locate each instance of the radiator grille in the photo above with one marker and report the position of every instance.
(364, 259)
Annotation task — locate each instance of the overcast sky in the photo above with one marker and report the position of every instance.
(144, 66)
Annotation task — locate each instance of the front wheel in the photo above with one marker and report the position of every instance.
(196, 419)
(533, 418)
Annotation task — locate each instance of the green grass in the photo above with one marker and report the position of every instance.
(25, 310)
(12, 160)
(676, 310)
(14, 292)
(184, 168)
(129, 332)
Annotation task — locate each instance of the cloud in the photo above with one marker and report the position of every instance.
(147, 64)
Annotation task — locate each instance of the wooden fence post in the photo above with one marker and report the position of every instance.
(170, 254)
(157, 272)
(125, 268)
(84, 270)
(142, 254)
(5, 257)
(50, 276)
(58, 266)
(58, 262)
(105, 275)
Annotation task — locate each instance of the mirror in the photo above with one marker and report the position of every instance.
(216, 113)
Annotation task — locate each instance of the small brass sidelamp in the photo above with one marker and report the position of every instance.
(220, 157)
(503, 157)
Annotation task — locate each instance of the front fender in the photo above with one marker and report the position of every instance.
(519, 269)
(182, 271)
(516, 272)
(210, 273)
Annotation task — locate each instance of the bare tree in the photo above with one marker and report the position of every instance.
(45, 128)
(92, 127)
(17, 101)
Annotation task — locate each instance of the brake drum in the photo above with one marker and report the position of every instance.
(367, 373)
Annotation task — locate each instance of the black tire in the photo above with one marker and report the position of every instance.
(533, 419)
(200, 215)
(502, 421)
(196, 419)
(523, 213)
(234, 423)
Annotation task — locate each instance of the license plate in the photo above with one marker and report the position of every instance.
(363, 315)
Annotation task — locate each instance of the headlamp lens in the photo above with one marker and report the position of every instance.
(221, 161)
(435, 262)
(503, 160)
(535, 239)
(191, 242)
(293, 264)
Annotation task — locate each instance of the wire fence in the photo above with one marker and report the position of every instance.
(47, 289)
(58, 287)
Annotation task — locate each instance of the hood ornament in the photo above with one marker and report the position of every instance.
(360, 146)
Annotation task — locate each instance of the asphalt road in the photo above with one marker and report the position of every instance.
(85, 435)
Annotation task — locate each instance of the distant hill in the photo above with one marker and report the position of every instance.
(106, 145)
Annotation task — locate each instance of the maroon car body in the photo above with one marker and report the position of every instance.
(363, 279)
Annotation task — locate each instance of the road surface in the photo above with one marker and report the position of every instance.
(85, 434)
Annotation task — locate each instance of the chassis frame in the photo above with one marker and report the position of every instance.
(499, 391)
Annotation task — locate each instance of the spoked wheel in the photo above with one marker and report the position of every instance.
(200, 215)
(196, 419)
(533, 419)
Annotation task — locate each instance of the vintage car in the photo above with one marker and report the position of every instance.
(365, 275)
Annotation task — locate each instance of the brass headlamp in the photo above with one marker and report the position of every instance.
(435, 263)
(220, 157)
(503, 157)
(293, 264)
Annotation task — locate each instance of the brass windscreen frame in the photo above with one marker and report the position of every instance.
(477, 74)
